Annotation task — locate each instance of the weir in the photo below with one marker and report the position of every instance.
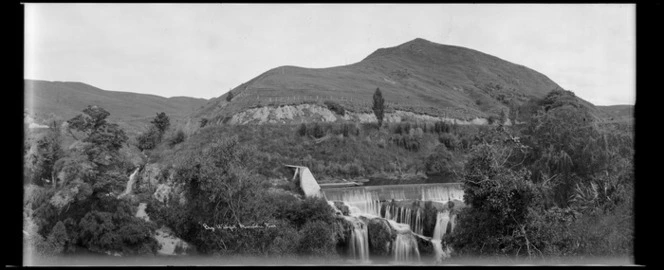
(440, 192)
(402, 206)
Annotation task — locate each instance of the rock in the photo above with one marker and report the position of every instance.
(133, 155)
(163, 193)
(64, 197)
(342, 207)
(381, 236)
(424, 245)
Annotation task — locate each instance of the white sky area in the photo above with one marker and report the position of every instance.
(204, 50)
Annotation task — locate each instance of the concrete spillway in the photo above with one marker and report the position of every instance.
(424, 192)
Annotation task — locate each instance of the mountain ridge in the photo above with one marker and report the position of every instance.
(62, 100)
(417, 76)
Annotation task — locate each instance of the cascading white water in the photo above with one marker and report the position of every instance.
(441, 193)
(130, 183)
(405, 215)
(359, 202)
(358, 246)
(407, 220)
(441, 225)
(405, 248)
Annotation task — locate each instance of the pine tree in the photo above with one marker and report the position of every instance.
(379, 106)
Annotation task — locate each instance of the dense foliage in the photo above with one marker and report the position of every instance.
(378, 106)
(84, 210)
(554, 190)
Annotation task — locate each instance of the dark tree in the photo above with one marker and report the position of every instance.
(229, 97)
(161, 122)
(99, 132)
(379, 106)
(204, 122)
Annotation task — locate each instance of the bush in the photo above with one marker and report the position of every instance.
(408, 142)
(302, 130)
(286, 241)
(440, 162)
(177, 138)
(317, 131)
(442, 127)
(449, 140)
(149, 139)
(335, 107)
(317, 239)
(299, 212)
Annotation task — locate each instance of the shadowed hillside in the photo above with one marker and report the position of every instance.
(417, 76)
(64, 100)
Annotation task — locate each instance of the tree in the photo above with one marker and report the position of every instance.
(86, 212)
(440, 162)
(501, 200)
(203, 122)
(155, 133)
(378, 106)
(161, 122)
(230, 96)
(44, 154)
(104, 139)
(221, 188)
(565, 144)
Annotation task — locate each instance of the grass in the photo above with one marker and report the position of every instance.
(367, 153)
(417, 76)
(132, 111)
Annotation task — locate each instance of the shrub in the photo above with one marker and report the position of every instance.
(203, 122)
(449, 140)
(408, 142)
(440, 162)
(317, 239)
(229, 97)
(317, 131)
(149, 139)
(442, 127)
(177, 138)
(302, 130)
(286, 241)
(335, 107)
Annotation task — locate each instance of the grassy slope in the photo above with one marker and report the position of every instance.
(334, 157)
(132, 111)
(617, 113)
(418, 76)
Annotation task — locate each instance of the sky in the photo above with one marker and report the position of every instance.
(204, 50)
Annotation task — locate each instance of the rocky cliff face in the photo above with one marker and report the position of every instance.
(293, 114)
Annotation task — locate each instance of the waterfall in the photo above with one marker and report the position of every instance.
(441, 225)
(405, 248)
(406, 215)
(405, 245)
(130, 183)
(359, 202)
(441, 193)
(358, 245)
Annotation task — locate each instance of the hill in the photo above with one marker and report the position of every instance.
(63, 100)
(617, 113)
(418, 76)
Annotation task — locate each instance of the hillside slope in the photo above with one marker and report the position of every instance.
(64, 100)
(418, 76)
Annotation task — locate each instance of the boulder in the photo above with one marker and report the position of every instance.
(342, 207)
(151, 175)
(381, 236)
(424, 245)
(163, 193)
